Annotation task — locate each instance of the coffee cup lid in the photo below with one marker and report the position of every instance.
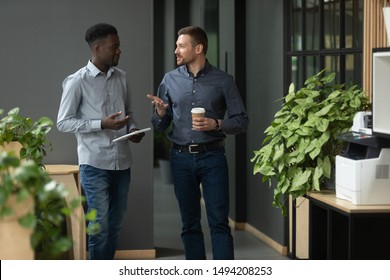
(198, 110)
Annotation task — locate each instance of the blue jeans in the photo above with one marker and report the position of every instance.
(106, 191)
(209, 169)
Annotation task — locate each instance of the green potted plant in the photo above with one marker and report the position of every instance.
(25, 185)
(298, 152)
(30, 135)
(23, 179)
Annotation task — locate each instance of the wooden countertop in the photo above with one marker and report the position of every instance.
(61, 169)
(329, 197)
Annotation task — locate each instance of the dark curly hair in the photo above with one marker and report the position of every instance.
(99, 31)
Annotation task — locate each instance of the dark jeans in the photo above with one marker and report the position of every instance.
(209, 169)
(106, 191)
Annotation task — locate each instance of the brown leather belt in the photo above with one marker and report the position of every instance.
(199, 148)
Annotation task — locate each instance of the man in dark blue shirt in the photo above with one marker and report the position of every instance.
(198, 153)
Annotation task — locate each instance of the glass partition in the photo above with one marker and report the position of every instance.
(296, 25)
(354, 67)
(312, 25)
(324, 34)
(332, 64)
(354, 24)
(331, 24)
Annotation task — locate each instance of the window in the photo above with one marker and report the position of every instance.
(324, 34)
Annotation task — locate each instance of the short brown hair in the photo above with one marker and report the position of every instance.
(197, 34)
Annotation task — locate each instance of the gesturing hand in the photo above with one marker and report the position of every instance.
(161, 107)
(111, 122)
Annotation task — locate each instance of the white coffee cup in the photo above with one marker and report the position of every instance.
(198, 112)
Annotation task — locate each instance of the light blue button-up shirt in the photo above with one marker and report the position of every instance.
(211, 89)
(88, 97)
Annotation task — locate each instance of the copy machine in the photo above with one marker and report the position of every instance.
(362, 170)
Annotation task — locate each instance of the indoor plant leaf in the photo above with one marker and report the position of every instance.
(300, 145)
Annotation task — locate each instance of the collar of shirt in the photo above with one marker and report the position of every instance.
(184, 69)
(95, 71)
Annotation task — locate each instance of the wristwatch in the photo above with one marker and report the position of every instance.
(217, 127)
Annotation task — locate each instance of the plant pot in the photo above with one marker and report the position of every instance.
(13, 146)
(15, 239)
(386, 16)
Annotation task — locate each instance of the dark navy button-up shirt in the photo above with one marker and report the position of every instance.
(211, 89)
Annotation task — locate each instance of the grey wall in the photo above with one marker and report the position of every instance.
(169, 37)
(226, 36)
(227, 46)
(42, 41)
(264, 85)
(264, 53)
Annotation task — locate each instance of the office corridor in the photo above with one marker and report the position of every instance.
(167, 228)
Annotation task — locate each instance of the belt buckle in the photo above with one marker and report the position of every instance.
(193, 146)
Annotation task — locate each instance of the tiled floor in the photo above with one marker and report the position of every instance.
(167, 231)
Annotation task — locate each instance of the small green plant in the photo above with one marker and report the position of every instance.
(301, 143)
(32, 135)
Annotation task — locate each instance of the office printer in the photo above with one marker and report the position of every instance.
(362, 170)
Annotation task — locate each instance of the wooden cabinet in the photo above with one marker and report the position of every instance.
(340, 230)
(299, 228)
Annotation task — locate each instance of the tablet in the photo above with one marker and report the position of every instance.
(130, 134)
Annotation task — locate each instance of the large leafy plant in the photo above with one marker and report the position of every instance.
(301, 143)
